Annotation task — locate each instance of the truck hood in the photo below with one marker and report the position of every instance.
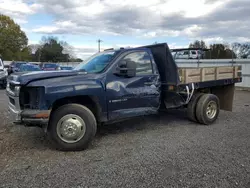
(23, 78)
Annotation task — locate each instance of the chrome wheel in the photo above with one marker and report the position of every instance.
(211, 109)
(71, 128)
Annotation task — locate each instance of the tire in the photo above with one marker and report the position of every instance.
(204, 115)
(76, 120)
(191, 108)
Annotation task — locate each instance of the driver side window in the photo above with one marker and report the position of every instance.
(143, 62)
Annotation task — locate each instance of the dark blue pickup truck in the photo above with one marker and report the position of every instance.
(114, 85)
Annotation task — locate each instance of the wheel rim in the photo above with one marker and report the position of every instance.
(211, 109)
(71, 128)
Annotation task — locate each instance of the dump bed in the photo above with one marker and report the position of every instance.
(206, 74)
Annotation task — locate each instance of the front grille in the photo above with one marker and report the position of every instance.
(30, 98)
(12, 87)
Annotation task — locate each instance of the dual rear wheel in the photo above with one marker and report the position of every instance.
(203, 108)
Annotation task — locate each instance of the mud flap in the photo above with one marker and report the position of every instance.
(225, 95)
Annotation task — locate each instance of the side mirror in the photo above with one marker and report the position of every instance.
(126, 68)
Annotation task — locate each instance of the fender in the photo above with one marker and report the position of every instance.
(90, 85)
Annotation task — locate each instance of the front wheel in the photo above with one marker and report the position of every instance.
(72, 127)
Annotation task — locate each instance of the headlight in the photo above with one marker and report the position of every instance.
(17, 89)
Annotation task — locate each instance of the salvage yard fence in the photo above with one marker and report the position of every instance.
(245, 63)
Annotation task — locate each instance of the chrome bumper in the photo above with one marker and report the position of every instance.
(15, 114)
(14, 110)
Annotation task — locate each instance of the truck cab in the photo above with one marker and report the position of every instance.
(110, 86)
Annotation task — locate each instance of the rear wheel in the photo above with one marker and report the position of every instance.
(191, 108)
(207, 109)
(72, 127)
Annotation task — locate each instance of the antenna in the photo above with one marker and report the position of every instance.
(99, 44)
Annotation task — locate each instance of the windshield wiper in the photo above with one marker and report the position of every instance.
(82, 70)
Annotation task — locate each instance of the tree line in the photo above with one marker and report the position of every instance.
(223, 50)
(14, 46)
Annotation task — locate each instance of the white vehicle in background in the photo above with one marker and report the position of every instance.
(3, 74)
(189, 54)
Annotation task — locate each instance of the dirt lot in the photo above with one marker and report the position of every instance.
(165, 150)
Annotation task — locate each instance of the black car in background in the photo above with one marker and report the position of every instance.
(15, 67)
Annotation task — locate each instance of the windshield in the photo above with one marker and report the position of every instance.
(50, 65)
(18, 65)
(29, 68)
(97, 62)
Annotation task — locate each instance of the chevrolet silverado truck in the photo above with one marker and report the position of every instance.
(114, 85)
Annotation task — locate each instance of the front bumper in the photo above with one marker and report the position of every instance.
(30, 117)
(25, 116)
(15, 112)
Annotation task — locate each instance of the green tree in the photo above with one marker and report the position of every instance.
(221, 51)
(25, 54)
(198, 44)
(215, 51)
(51, 50)
(13, 40)
(76, 60)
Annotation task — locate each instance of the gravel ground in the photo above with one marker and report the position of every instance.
(165, 150)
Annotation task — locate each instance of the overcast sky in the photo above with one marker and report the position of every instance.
(131, 22)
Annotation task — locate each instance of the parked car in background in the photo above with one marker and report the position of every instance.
(187, 54)
(49, 66)
(66, 68)
(15, 67)
(29, 67)
(6, 67)
(3, 75)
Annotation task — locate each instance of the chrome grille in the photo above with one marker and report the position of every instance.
(12, 101)
(12, 87)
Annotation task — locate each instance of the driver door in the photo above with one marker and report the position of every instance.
(133, 96)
